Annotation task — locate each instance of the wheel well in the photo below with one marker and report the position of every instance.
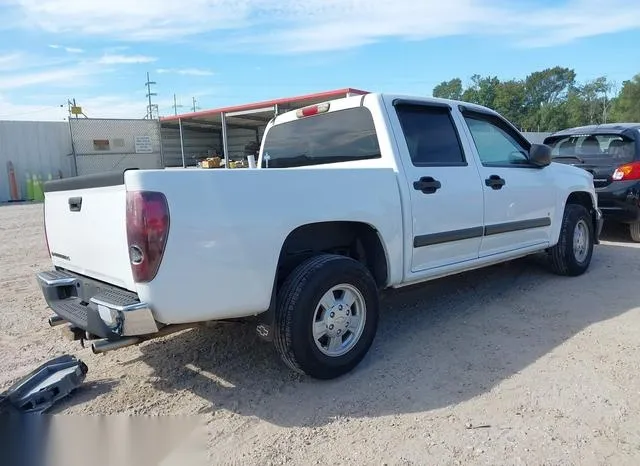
(584, 199)
(581, 198)
(352, 239)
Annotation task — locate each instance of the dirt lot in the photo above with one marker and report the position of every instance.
(545, 370)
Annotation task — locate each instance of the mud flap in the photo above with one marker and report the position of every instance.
(39, 390)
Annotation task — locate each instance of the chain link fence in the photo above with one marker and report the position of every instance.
(103, 145)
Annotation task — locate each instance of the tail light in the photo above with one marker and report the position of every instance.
(147, 231)
(628, 171)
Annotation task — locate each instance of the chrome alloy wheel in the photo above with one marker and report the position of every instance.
(339, 320)
(581, 241)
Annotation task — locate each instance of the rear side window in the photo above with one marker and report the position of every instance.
(431, 135)
(339, 136)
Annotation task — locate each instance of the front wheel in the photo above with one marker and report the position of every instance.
(327, 316)
(572, 255)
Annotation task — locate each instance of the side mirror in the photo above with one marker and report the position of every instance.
(540, 155)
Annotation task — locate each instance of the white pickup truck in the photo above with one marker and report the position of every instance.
(350, 197)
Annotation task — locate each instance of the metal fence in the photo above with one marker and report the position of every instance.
(102, 145)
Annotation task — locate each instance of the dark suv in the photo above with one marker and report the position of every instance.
(611, 152)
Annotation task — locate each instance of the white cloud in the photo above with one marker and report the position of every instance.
(11, 61)
(322, 25)
(134, 20)
(125, 59)
(99, 107)
(20, 71)
(185, 71)
(113, 106)
(66, 49)
(54, 108)
(69, 76)
(30, 112)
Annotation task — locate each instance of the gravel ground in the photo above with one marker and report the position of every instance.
(507, 365)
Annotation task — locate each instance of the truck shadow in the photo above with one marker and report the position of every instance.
(438, 344)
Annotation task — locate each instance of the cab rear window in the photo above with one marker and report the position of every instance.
(339, 136)
(585, 146)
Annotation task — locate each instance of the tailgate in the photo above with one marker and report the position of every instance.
(85, 220)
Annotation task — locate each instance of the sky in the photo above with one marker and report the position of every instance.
(229, 52)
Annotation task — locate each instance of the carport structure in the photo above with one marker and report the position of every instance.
(230, 132)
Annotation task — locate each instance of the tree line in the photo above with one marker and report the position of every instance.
(551, 99)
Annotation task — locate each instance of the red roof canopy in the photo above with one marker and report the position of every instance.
(328, 95)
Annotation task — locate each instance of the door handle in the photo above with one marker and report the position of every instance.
(427, 184)
(75, 204)
(495, 182)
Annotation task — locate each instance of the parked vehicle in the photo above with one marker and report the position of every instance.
(611, 153)
(355, 196)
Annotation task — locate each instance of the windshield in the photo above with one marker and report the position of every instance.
(339, 136)
(589, 146)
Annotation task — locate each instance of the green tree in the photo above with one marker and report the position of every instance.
(482, 91)
(627, 105)
(449, 89)
(545, 91)
(550, 99)
(510, 101)
(575, 107)
(549, 86)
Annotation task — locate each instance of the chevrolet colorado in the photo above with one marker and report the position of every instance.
(350, 197)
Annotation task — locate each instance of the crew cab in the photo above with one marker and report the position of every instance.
(349, 198)
(611, 152)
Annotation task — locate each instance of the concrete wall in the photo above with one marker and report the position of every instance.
(34, 147)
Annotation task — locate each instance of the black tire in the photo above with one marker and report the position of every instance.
(562, 255)
(634, 232)
(298, 298)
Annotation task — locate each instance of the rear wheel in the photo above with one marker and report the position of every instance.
(327, 316)
(572, 255)
(634, 231)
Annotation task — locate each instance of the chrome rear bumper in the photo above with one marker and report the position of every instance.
(95, 307)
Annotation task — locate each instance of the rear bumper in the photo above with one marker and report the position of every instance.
(620, 202)
(95, 307)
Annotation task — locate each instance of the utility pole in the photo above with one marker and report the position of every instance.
(195, 106)
(175, 105)
(150, 94)
(74, 109)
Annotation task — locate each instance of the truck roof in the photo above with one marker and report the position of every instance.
(353, 100)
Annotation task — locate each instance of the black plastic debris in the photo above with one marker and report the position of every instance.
(42, 388)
